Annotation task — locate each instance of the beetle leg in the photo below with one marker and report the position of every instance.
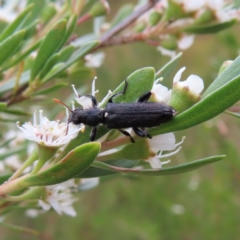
(119, 93)
(126, 134)
(93, 134)
(141, 132)
(144, 97)
(94, 100)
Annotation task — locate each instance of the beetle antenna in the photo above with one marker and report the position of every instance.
(62, 103)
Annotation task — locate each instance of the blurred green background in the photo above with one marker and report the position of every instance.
(202, 204)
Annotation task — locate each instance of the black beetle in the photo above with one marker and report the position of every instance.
(137, 115)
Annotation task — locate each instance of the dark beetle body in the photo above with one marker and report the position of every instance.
(124, 115)
(146, 114)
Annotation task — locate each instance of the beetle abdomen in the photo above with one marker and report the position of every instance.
(146, 114)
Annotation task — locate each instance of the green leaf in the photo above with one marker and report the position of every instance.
(23, 230)
(212, 104)
(69, 30)
(234, 114)
(17, 112)
(49, 65)
(22, 56)
(97, 172)
(81, 52)
(139, 82)
(161, 172)
(210, 28)
(226, 76)
(168, 69)
(16, 24)
(50, 89)
(66, 53)
(48, 47)
(71, 165)
(4, 178)
(9, 45)
(37, 9)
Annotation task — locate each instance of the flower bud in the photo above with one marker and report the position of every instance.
(185, 93)
(169, 42)
(139, 27)
(224, 66)
(154, 18)
(205, 17)
(100, 8)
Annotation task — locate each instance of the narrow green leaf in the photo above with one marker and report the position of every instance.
(50, 89)
(37, 9)
(168, 69)
(139, 82)
(49, 65)
(48, 47)
(16, 24)
(161, 172)
(227, 75)
(234, 114)
(81, 52)
(66, 53)
(20, 229)
(9, 45)
(221, 95)
(97, 172)
(74, 163)
(22, 56)
(31, 29)
(210, 28)
(70, 28)
(209, 107)
(4, 178)
(17, 112)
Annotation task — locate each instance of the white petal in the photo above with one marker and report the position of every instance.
(45, 206)
(69, 210)
(155, 162)
(163, 142)
(195, 84)
(185, 42)
(88, 183)
(178, 75)
(191, 6)
(86, 102)
(167, 52)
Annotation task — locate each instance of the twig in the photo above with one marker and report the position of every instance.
(126, 22)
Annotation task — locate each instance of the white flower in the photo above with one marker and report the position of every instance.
(194, 83)
(85, 101)
(60, 198)
(88, 183)
(160, 143)
(49, 133)
(185, 42)
(166, 52)
(33, 213)
(160, 93)
(177, 209)
(191, 6)
(94, 60)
